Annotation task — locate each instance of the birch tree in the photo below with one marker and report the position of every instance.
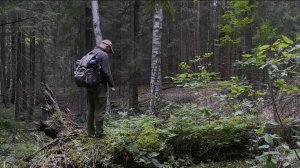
(96, 22)
(99, 38)
(155, 82)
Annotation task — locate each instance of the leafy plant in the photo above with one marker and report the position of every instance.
(237, 16)
(198, 78)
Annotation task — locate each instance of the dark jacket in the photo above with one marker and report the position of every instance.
(105, 67)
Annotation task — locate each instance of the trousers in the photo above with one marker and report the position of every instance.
(96, 110)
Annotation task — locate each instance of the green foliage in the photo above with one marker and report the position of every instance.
(166, 5)
(266, 33)
(15, 141)
(279, 60)
(236, 87)
(195, 79)
(148, 141)
(218, 132)
(237, 16)
(274, 150)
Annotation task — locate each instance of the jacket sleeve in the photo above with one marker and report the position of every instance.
(105, 70)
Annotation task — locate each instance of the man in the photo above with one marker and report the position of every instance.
(97, 96)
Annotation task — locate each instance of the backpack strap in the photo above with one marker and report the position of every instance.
(84, 62)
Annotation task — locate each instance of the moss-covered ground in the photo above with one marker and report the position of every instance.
(182, 136)
(15, 141)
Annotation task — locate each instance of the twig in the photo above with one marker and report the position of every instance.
(21, 20)
(41, 149)
(275, 109)
(297, 154)
(169, 87)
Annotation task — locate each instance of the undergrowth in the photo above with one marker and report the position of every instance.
(15, 141)
(182, 136)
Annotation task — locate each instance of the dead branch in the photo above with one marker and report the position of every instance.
(41, 149)
(16, 21)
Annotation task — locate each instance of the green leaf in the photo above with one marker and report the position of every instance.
(272, 123)
(286, 164)
(270, 163)
(264, 147)
(133, 148)
(260, 131)
(268, 138)
(260, 93)
(282, 45)
(286, 147)
(156, 163)
(247, 55)
(264, 47)
(287, 40)
(153, 154)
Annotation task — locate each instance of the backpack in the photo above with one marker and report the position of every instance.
(87, 73)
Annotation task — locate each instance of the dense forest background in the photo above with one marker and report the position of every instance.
(43, 40)
(40, 42)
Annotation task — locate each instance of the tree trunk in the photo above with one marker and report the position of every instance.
(32, 75)
(133, 75)
(13, 62)
(42, 68)
(96, 22)
(155, 82)
(3, 68)
(24, 74)
(99, 38)
(18, 79)
(251, 72)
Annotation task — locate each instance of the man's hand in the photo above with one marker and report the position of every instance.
(113, 89)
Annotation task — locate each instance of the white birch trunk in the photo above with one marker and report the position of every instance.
(96, 22)
(155, 83)
(99, 38)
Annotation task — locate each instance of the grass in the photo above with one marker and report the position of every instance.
(15, 140)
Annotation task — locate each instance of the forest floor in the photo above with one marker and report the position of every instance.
(18, 143)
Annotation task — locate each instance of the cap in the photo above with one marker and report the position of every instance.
(109, 44)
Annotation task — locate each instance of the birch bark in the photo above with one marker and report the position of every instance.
(155, 82)
(99, 38)
(96, 22)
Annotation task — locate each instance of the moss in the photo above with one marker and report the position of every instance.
(145, 141)
(57, 114)
(222, 131)
(215, 140)
(149, 138)
(15, 143)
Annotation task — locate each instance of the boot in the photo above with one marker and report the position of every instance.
(99, 128)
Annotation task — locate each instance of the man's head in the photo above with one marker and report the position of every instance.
(107, 45)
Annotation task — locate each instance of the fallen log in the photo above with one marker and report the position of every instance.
(58, 121)
(55, 121)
